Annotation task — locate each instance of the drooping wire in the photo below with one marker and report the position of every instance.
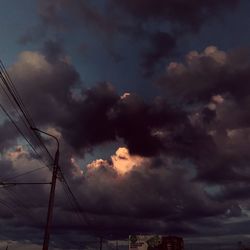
(77, 205)
(22, 119)
(15, 199)
(22, 174)
(29, 125)
(76, 211)
(18, 101)
(18, 129)
(5, 204)
(23, 135)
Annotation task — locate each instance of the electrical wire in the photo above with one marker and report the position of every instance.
(23, 208)
(3, 203)
(29, 124)
(22, 119)
(23, 135)
(18, 129)
(22, 174)
(76, 211)
(74, 199)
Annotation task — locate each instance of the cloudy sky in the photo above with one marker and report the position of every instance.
(150, 101)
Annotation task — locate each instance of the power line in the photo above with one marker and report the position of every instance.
(74, 199)
(18, 101)
(23, 135)
(18, 129)
(29, 124)
(26, 116)
(22, 174)
(22, 119)
(72, 204)
(23, 208)
(6, 205)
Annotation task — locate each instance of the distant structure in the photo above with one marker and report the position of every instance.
(172, 243)
(155, 242)
(242, 247)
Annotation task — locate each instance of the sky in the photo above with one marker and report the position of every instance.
(149, 100)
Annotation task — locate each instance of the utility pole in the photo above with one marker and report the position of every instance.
(101, 239)
(52, 192)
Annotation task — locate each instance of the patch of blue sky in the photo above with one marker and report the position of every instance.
(13, 24)
(103, 151)
(96, 63)
(235, 25)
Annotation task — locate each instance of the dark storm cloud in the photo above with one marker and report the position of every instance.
(191, 14)
(98, 114)
(8, 135)
(160, 23)
(6, 168)
(50, 74)
(233, 192)
(95, 116)
(166, 204)
(18, 201)
(181, 150)
(139, 123)
(23, 209)
(215, 85)
(64, 15)
(185, 169)
(91, 113)
(162, 46)
(112, 203)
(146, 128)
(103, 116)
(208, 73)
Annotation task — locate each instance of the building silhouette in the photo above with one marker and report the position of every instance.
(172, 243)
(155, 242)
